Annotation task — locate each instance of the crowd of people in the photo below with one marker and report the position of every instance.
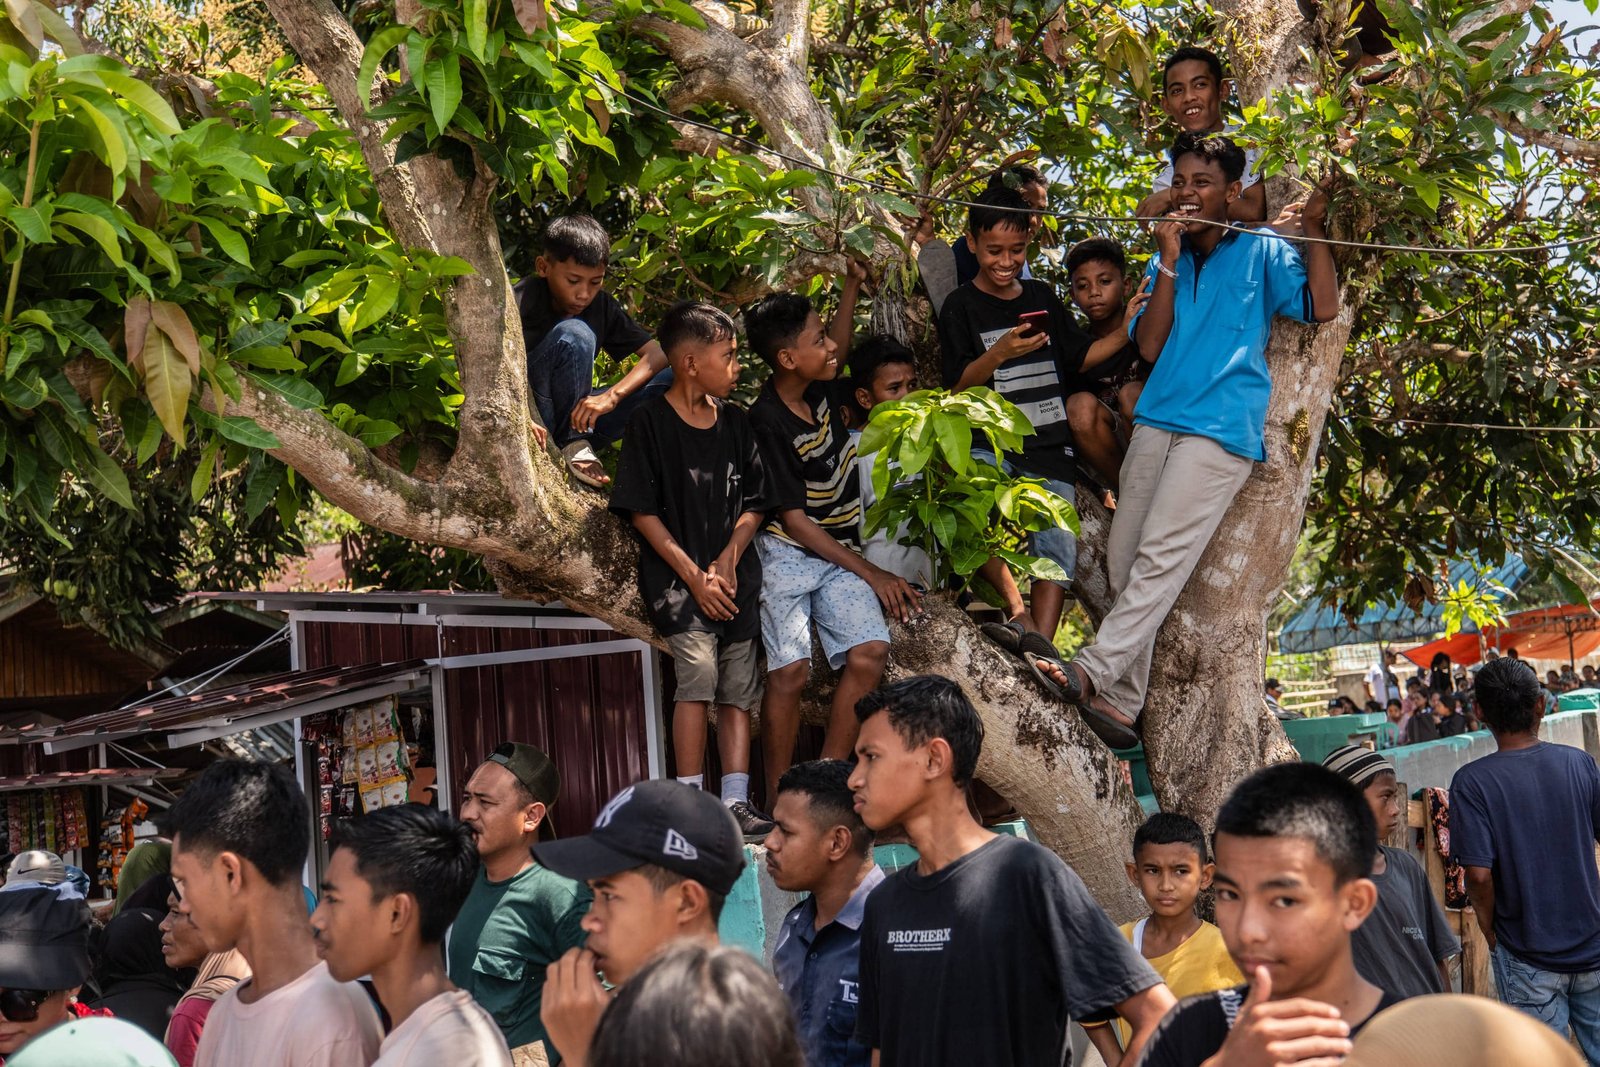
(751, 522)
(483, 942)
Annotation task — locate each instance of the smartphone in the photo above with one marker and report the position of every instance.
(1035, 321)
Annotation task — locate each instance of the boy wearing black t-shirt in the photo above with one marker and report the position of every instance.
(692, 482)
(1294, 846)
(811, 562)
(983, 952)
(568, 317)
(1101, 413)
(1032, 361)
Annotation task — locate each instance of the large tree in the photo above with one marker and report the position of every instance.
(269, 294)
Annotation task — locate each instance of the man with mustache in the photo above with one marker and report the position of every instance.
(519, 916)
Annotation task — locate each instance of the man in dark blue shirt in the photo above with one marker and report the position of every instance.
(1523, 823)
(821, 847)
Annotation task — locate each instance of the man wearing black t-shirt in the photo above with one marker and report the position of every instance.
(1294, 847)
(984, 951)
(567, 317)
(1034, 363)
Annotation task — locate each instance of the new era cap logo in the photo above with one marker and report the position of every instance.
(608, 812)
(677, 846)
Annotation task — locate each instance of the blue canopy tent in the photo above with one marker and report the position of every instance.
(1317, 628)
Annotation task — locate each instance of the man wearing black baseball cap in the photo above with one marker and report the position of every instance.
(520, 916)
(661, 859)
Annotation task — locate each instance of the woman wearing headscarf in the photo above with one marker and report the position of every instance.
(219, 972)
(135, 982)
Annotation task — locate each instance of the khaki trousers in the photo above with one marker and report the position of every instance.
(530, 1055)
(1175, 490)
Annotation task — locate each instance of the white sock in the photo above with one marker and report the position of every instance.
(696, 780)
(735, 787)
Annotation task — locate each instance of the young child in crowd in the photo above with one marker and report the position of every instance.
(1192, 94)
(984, 951)
(1405, 945)
(882, 370)
(567, 317)
(1172, 866)
(1101, 416)
(1294, 847)
(1017, 337)
(1200, 426)
(812, 569)
(693, 483)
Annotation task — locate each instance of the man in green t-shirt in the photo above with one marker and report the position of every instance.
(520, 917)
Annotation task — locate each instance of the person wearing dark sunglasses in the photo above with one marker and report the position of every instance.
(44, 959)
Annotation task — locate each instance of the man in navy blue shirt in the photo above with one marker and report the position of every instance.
(1523, 823)
(821, 847)
(1199, 428)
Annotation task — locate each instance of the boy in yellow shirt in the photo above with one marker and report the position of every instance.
(1171, 866)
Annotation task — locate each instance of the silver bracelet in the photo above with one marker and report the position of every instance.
(1168, 271)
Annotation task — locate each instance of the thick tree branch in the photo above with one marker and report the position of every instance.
(790, 31)
(1556, 141)
(428, 206)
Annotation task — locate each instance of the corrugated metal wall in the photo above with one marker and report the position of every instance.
(589, 712)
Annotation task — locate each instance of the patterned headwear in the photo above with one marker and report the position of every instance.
(1358, 766)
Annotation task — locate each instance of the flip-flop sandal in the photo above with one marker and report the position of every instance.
(1008, 635)
(1034, 643)
(1071, 693)
(1113, 733)
(577, 452)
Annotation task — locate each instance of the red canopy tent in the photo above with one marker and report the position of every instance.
(1566, 632)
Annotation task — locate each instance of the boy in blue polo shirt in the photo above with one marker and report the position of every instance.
(1200, 423)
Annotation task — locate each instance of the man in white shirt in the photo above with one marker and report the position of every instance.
(1382, 685)
(395, 880)
(240, 835)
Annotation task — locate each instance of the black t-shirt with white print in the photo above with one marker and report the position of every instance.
(810, 464)
(972, 320)
(1194, 1031)
(984, 962)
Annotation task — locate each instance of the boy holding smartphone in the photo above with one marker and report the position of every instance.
(1015, 336)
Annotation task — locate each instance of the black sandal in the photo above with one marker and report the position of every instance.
(1072, 692)
(1008, 635)
(1109, 730)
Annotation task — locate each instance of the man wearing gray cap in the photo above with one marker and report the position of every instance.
(519, 917)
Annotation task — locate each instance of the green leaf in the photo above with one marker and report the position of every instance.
(109, 478)
(108, 131)
(200, 484)
(379, 300)
(98, 229)
(260, 486)
(379, 45)
(146, 99)
(351, 367)
(32, 222)
(57, 29)
(375, 432)
(227, 238)
(443, 78)
(297, 391)
(475, 15)
(246, 431)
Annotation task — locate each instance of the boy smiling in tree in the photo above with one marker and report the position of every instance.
(1200, 427)
(1192, 93)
